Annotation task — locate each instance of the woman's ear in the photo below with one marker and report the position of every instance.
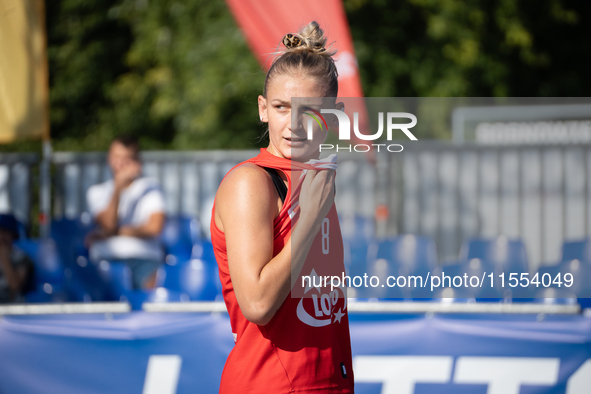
(333, 120)
(263, 109)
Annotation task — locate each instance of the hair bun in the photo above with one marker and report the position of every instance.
(292, 41)
(306, 52)
(310, 38)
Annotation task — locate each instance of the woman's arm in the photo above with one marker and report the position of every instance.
(246, 205)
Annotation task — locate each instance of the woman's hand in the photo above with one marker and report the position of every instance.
(316, 197)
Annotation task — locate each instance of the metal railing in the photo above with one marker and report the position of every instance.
(190, 180)
(388, 307)
(382, 307)
(539, 193)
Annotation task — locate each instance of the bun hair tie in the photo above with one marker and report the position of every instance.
(293, 41)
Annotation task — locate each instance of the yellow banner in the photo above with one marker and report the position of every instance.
(23, 71)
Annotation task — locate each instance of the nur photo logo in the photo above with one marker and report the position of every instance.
(387, 121)
(317, 117)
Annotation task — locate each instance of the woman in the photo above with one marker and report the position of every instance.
(274, 220)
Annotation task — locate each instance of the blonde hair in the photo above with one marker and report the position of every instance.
(306, 51)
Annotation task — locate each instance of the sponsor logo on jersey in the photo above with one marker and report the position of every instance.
(322, 309)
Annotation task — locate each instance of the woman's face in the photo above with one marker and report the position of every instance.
(286, 139)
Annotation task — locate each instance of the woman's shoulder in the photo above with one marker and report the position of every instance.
(246, 192)
(246, 174)
(246, 181)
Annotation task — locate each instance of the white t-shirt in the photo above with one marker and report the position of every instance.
(137, 203)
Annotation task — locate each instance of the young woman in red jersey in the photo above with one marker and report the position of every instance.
(273, 220)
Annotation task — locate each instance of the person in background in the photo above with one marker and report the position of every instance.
(129, 213)
(16, 269)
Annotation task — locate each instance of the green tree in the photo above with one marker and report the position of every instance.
(86, 53)
(176, 73)
(472, 48)
(179, 74)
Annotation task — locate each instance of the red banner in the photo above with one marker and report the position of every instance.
(265, 22)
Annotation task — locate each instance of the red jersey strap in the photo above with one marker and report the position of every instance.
(267, 159)
(296, 170)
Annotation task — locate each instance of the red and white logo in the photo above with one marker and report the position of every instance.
(322, 309)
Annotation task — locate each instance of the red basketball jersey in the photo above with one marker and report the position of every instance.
(306, 346)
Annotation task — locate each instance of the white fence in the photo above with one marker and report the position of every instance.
(541, 194)
(190, 180)
(16, 184)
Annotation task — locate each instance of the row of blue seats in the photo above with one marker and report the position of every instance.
(63, 271)
(412, 255)
(416, 255)
(190, 272)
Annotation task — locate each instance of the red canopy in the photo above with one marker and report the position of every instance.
(265, 22)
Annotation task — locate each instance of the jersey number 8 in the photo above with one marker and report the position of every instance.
(325, 229)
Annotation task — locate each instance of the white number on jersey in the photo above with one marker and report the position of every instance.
(325, 229)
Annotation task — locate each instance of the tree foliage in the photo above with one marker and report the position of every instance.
(472, 48)
(177, 74)
(180, 75)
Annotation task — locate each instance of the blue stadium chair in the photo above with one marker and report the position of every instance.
(179, 236)
(585, 303)
(545, 276)
(551, 270)
(76, 289)
(576, 259)
(49, 270)
(410, 254)
(11, 224)
(22, 230)
(508, 254)
(363, 286)
(84, 281)
(356, 256)
(478, 268)
(69, 236)
(117, 278)
(581, 277)
(208, 257)
(455, 268)
(446, 292)
(206, 252)
(401, 256)
(48, 265)
(195, 278)
(579, 250)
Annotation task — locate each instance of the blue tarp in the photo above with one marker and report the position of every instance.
(403, 354)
